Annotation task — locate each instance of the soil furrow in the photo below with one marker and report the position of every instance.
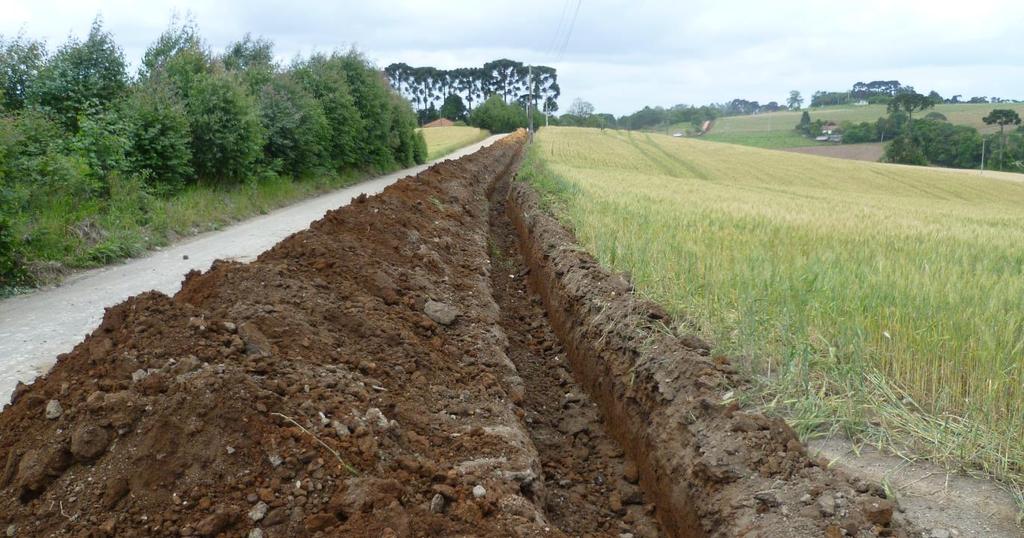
(591, 487)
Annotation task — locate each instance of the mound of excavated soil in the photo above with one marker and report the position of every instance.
(389, 372)
(350, 381)
(712, 468)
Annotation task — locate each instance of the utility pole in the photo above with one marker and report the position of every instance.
(529, 101)
(983, 155)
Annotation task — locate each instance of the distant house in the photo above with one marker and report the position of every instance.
(442, 122)
(830, 132)
(862, 102)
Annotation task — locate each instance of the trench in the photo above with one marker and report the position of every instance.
(591, 486)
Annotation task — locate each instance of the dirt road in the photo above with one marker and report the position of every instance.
(36, 327)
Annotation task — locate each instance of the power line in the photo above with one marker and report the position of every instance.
(568, 34)
(553, 44)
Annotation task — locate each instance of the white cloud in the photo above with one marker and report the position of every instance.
(622, 54)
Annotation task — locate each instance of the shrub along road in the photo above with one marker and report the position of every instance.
(36, 327)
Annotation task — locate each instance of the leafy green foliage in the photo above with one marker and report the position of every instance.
(95, 167)
(453, 108)
(101, 143)
(20, 62)
(903, 150)
(498, 117)
(254, 58)
(298, 135)
(81, 78)
(157, 131)
(371, 100)
(324, 78)
(227, 138)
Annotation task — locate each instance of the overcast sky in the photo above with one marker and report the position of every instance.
(621, 55)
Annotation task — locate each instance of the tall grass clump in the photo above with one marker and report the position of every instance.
(879, 301)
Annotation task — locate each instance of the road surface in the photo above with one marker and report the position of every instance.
(36, 327)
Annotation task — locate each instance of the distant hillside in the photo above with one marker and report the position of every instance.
(775, 129)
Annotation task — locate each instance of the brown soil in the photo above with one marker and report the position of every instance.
(388, 372)
(857, 152)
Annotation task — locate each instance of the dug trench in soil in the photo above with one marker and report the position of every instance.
(591, 487)
(712, 468)
(355, 380)
(352, 381)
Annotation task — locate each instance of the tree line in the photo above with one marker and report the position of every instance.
(75, 124)
(455, 93)
(884, 91)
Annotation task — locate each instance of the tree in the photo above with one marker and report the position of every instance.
(157, 130)
(253, 58)
(805, 124)
(795, 100)
(323, 77)
(82, 77)
(177, 55)
(1002, 117)
(581, 108)
(909, 102)
(297, 132)
(903, 150)
(20, 62)
(227, 139)
(453, 108)
(497, 116)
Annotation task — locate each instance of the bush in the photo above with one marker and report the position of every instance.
(404, 139)
(419, 148)
(370, 95)
(858, 133)
(156, 127)
(902, 150)
(324, 78)
(101, 143)
(227, 139)
(498, 117)
(298, 135)
(12, 272)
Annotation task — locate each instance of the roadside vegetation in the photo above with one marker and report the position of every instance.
(443, 140)
(881, 302)
(97, 164)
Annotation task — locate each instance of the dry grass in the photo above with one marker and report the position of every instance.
(443, 140)
(884, 301)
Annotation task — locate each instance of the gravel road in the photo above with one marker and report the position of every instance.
(36, 327)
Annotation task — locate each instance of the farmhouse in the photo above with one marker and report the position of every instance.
(830, 132)
(441, 122)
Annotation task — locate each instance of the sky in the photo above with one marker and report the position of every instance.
(619, 55)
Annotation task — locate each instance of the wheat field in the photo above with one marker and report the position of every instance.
(443, 140)
(885, 302)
